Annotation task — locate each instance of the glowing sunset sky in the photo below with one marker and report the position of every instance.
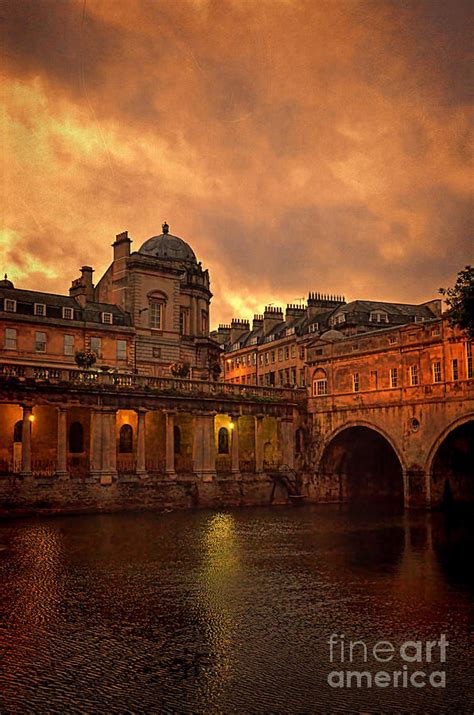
(296, 145)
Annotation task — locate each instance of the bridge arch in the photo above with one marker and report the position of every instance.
(449, 466)
(360, 462)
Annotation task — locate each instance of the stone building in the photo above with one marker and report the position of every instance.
(273, 351)
(150, 309)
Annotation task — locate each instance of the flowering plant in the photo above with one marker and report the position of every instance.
(85, 358)
(180, 369)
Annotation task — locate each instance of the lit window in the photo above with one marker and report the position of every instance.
(121, 349)
(355, 382)
(413, 375)
(320, 387)
(69, 344)
(40, 309)
(40, 343)
(96, 346)
(393, 377)
(155, 315)
(10, 339)
(9, 305)
(68, 313)
(107, 318)
(455, 369)
(437, 371)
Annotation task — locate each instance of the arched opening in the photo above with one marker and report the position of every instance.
(126, 439)
(18, 431)
(177, 439)
(452, 480)
(223, 441)
(360, 465)
(76, 438)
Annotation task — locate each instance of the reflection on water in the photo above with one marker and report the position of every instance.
(227, 612)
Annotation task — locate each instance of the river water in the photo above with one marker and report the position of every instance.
(231, 611)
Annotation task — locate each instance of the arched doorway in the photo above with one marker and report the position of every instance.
(359, 465)
(452, 473)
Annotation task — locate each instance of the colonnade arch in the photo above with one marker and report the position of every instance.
(450, 465)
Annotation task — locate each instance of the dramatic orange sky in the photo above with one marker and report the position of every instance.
(295, 144)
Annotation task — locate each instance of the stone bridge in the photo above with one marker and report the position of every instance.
(412, 443)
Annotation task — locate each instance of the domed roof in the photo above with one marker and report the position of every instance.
(168, 246)
(332, 335)
(6, 283)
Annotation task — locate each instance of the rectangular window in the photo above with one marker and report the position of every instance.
(287, 353)
(68, 313)
(272, 354)
(393, 340)
(455, 368)
(40, 309)
(107, 318)
(266, 358)
(280, 354)
(436, 372)
(373, 379)
(320, 387)
(419, 319)
(469, 360)
(155, 315)
(435, 332)
(355, 382)
(121, 349)
(96, 346)
(393, 377)
(293, 375)
(254, 358)
(293, 351)
(248, 360)
(204, 326)
(10, 339)
(260, 359)
(156, 352)
(302, 382)
(301, 353)
(413, 375)
(69, 344)
(182, 322)
(9, 305)
(40, 342)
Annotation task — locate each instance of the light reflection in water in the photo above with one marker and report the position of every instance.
(218, 579)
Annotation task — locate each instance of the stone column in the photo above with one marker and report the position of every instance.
(112, 420)
(95, 454)
(204, 448)
(169, 469)
(287, 443)
(26, 441)
(259, 443)
(108, 472)
(234, 449)
(141, 456)
(61, 466)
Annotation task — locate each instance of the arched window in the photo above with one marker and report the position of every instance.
(76, 438)
(126, 439)
(18, 431)
(320, 383)
(177, 439)
(223, 441)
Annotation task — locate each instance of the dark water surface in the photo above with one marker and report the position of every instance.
(230, 612)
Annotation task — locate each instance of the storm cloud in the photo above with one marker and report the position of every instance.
(296, 145)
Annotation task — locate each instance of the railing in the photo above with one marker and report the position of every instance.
(223, 463)
(78, 465)
(34, 374)
(126, 464)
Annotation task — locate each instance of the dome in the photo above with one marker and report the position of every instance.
(168, 246)
(6, 283)
(332, 335)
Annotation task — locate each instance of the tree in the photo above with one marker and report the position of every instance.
(460, 301)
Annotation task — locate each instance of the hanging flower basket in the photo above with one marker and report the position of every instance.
(85, 359)
(180, 369)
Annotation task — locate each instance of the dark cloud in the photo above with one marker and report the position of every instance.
(297, 146)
